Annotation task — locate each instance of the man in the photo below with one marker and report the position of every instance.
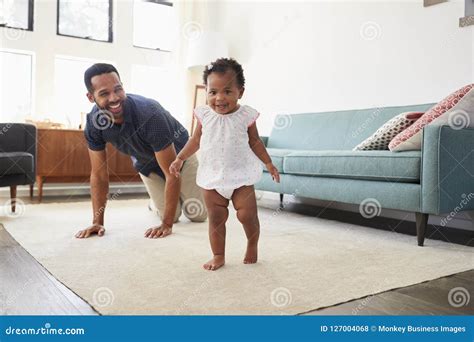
(141, 128)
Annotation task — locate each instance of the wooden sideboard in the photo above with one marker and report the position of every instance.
(63, 157)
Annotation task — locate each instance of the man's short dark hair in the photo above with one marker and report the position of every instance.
(97, 69)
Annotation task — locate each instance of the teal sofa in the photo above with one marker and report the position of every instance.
(313, 153)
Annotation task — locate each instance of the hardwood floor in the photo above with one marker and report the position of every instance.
(26, 288)
(428, 298)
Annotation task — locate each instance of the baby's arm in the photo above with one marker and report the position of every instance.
(260, 151)
(191, 147)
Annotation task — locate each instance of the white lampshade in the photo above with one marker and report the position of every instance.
(205, 49)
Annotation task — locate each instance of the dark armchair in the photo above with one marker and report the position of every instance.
(17, 157)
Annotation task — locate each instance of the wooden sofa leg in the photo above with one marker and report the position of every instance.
(421, 223)
(13, 197)
(281, 200)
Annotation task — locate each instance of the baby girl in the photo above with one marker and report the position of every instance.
(231, 158)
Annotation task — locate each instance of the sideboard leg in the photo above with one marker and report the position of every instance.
(39, 180)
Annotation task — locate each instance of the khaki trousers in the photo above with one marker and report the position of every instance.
(191, 200)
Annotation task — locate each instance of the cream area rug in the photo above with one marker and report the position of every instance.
(305, 263)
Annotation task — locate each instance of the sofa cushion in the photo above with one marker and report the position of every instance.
(369, 165)
(12, 163)
(410, 139)
(277, 155)
(460, 116)
(382, 137)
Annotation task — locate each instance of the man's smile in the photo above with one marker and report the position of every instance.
(115, 108)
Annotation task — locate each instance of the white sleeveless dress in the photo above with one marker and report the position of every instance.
(227, 162)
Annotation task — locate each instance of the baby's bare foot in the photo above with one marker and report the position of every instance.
(216, 262)
(251, 254)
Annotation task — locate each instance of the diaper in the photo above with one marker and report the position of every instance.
(225, 192)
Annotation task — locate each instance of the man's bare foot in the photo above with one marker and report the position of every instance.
(251, 254)
(216, 262)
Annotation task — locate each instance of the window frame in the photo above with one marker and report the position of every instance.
(158, 2)
(31, 11)
(110, 25)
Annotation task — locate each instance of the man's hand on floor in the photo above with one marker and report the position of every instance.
(92, 230)
(158, 231)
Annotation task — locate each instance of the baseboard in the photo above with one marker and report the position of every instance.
(68, 189)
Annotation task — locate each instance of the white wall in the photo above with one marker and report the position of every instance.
(316, 56)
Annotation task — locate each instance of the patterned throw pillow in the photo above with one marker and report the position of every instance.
(460, 116)
(410, 139)
(382, 137)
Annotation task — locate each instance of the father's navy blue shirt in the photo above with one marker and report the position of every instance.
(147, 128)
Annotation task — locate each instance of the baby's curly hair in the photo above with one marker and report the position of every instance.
(221, 65)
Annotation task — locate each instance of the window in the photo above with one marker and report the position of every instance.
(159, 83)
(70, 91)
(16, 85)
(88, 19)
(154, 24)
(17, 14)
